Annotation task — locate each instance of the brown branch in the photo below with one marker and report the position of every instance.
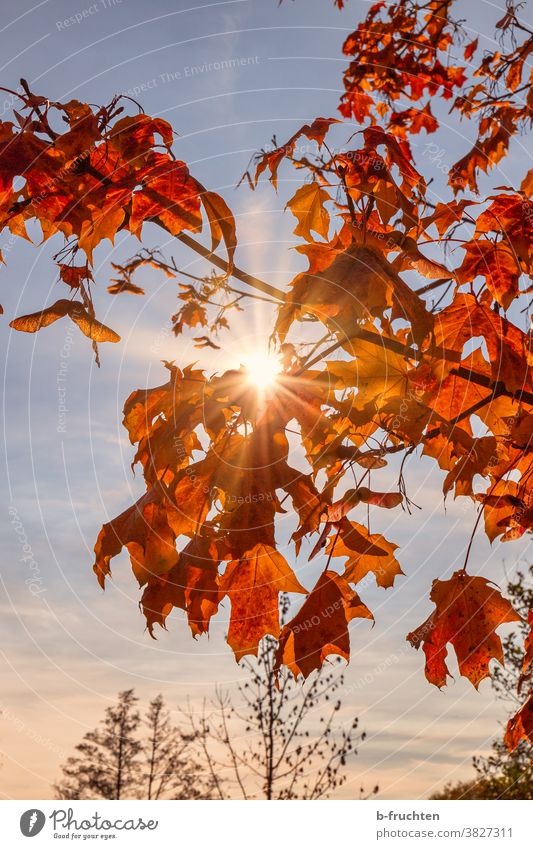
(243, 276)
(435, 284)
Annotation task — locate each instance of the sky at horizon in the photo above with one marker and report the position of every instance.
(69, 648)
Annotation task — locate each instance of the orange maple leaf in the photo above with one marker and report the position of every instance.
(468, 610)
(253, 584)
(320, 628)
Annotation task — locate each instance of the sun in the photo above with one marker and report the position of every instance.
(263, 368)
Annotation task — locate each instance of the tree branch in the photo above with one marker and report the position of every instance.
(221, 263)
(374, 338)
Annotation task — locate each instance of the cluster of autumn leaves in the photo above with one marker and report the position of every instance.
(400, 369)
(86, 174)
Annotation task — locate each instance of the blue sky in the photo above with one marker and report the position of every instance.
(67, 650)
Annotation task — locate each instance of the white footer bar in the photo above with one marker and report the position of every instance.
(258, 825)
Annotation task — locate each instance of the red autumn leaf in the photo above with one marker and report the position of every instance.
(307, 205)
(316, 131)
(468, 610)
(520, 726)
(497, 264)
(509, 348)
(253, 584)
(160, 596)
(321, 626)
(170, 195)
(365, 553)
(192, 585)
(221, 222)
(354, 536)
(470, 48)
(526, 673)
(124, 286)
(145, 529)
(398, 152)
(73, 275)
